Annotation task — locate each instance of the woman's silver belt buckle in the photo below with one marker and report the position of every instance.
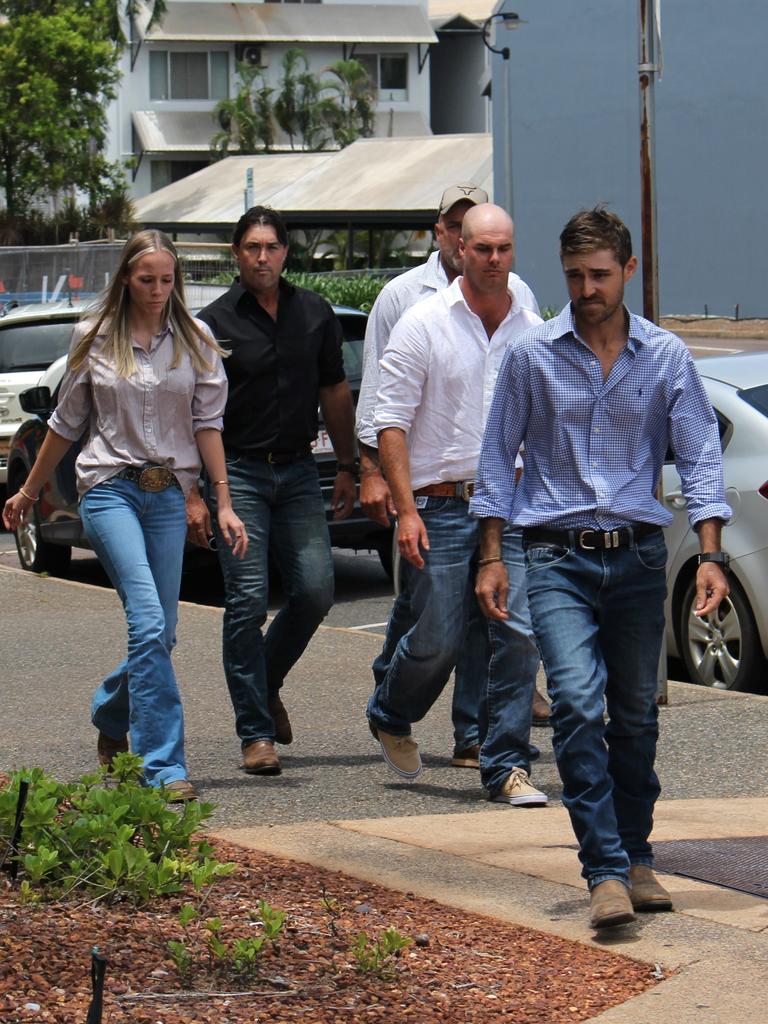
(156, 478)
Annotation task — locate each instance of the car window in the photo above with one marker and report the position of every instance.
(352, 352)
(33, 346)
(757, 398)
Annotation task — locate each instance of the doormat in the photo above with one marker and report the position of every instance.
(738, 863)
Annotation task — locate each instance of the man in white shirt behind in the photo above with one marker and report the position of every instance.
(397, 296)
(436, 383)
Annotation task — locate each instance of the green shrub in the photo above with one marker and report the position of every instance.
(357, 292)
(106, 836)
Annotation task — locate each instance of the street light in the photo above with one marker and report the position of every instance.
(510, 20)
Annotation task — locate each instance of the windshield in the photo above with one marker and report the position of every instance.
(33, 346)
(757, 398)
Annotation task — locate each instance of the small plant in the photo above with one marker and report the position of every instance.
(378, 957)
(105, 835)
(235, 960)
(332, 907)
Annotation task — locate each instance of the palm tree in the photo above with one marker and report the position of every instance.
(350, 101)
(246, 120)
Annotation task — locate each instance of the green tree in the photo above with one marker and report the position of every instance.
(58, 71)
(246, 120)
(297, 108)
(349, 99)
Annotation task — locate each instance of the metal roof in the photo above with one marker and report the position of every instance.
(443, 11)
(373, 181)
(292, 23)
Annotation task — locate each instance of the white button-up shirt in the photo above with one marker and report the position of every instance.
(393, 300)
(436, 382)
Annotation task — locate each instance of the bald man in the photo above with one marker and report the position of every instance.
(436, 382)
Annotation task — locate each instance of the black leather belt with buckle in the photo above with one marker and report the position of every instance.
(590, 540)
(150, 478)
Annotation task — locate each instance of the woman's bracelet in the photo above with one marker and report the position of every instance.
(487, 561)
(29, 497)
(221, 483)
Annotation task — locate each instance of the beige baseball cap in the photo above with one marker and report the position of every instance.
(456, 193)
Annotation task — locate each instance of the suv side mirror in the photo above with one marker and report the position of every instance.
(36, 401)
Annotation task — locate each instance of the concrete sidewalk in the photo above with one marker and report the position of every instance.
(336, 806)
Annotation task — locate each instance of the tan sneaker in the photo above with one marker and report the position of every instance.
(283, 731)
(180, 791)
(469, 757)
(646, 893)
(260, 758)
(518, 791)
(609, 905)
(401, 754)
(541, 713)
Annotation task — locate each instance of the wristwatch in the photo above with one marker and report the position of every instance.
(349, 467)
(718, 557)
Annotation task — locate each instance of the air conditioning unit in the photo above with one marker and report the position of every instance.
(247, 53)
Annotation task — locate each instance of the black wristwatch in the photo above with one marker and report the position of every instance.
(718, 557)
(349, 467)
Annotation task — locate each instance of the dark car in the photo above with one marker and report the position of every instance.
(44, 543)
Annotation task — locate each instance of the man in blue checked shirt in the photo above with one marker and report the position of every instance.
(597, 395)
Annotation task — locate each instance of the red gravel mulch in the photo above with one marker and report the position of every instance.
(462, 968)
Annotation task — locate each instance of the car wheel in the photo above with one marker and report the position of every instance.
(723, 650)
(386, 555)
(35, 554)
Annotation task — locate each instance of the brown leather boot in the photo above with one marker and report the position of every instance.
(609, 904)
(260, 758)
(646, 893)
(541, 713)
(107, 747)
(283, 731)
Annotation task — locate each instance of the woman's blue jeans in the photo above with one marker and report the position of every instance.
(599, 619)
(282, 508)
(139, 539)
(443, 603)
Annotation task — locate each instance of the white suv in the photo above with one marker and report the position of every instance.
(31, 338)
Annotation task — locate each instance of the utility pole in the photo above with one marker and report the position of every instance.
(647, 70)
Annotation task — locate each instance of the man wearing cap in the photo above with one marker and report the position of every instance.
(436, 382)
(404, 291)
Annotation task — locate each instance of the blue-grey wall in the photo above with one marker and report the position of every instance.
(573, 116)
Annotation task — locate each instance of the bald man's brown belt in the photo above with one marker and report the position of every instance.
(456, 489)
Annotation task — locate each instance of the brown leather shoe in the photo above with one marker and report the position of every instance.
(609, 905)
(107, 747)
(180, 791)
(646, 893)
(469, 757)
(260, 758)
(283, 731)
(541, 713)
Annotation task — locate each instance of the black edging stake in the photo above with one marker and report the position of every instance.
(98, 970)
(12, 867)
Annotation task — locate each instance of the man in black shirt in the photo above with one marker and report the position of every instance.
(285, 346)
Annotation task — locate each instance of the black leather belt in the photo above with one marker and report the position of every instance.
(590, 540)
(458, 489)
(278, 458)
(150, 477)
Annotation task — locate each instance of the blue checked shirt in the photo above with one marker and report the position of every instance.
(594, 448)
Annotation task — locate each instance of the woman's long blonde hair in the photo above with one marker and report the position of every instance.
(111, 316)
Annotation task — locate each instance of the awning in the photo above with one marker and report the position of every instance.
(386, 181)
(182, 131)
(292, 23)
(174, 131)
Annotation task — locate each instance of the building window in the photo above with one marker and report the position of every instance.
(166, 172)
(175, 75)
(389, 72)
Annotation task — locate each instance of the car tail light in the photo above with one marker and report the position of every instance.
(763, 490)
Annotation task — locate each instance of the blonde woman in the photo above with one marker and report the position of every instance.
(146, 382)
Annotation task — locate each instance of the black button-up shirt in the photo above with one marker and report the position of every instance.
(276, 367)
